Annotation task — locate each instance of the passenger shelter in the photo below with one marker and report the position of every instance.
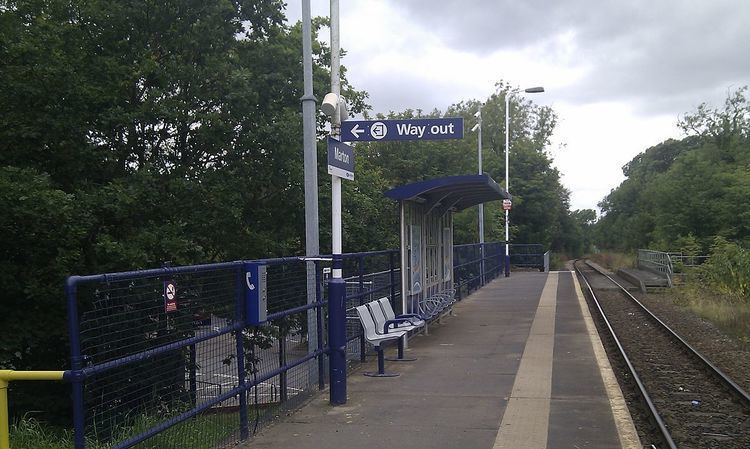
(426, 209)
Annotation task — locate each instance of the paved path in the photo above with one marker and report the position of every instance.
(514, 368)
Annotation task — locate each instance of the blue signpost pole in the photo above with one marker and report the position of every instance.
(337, 334)
(341, 163)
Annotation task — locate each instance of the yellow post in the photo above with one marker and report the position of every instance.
(7, 375)
(4, 427)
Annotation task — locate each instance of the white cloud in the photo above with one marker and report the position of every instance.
(617, 73)
(600, 138)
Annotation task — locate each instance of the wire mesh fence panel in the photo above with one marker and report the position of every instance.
(279, 358)
(527, 255)
(216, 428)
(168, 361)
(466, 268)
(493, 259)
(134, 340)
(368, 277)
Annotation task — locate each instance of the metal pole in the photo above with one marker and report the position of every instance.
(76, 364)
(319, 325)
(481, 205)
(336, 286)
(507, 151)
(240, 314)
(4, 420)
(6, 376)
(312, 224)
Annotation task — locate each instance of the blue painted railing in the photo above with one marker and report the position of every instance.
(189, 372)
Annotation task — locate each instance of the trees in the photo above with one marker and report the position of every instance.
(133, 133)
(697, 186)
(540, 202)
(138, 132)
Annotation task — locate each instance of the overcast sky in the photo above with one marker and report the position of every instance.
(618, 73)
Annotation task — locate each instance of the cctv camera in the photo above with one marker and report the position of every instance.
(343, 109)
(329, 104)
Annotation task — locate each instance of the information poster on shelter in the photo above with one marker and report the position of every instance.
(447, 249)
(415, 238)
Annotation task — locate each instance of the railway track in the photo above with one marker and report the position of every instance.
(690, 402)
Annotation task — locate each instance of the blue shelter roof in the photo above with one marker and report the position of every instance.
(452, 192)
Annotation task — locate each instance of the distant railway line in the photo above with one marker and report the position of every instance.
(687, 401)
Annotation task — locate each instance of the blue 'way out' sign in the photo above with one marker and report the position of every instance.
(413, 129)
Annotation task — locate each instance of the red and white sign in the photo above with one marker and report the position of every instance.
(507, 204)
(170, 296)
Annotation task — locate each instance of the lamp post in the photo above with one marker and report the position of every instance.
(530, 90)
(478, 127)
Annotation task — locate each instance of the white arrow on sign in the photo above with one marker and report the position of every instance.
(357, 131)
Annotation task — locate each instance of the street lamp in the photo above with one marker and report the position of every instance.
(478, 127)
(530, 90)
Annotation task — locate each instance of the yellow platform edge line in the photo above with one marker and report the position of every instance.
(525, 423)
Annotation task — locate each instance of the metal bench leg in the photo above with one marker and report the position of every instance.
(401, 357)
(381, 366)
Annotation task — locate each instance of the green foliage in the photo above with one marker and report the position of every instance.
(540, 203)
(134, 133)
(202, 432)
(138, 132)
(28, 433)
(695, 188)
(41, 227)
(688, 245)
(725, 311)
(728, 269)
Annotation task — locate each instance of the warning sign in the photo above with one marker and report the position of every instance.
(170, 296)
(507, 204)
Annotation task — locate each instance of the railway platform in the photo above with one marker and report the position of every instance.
(519, 365)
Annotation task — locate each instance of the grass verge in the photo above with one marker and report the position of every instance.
(205, 431)
(613, 261)
(730, 315)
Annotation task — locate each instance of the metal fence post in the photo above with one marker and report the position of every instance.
(239, 317)
(192, 376)
(319, 327)
(392, 277)
(360, 290)
(502, 262)
(481, 265)
(282, 363)
(337, 334)
(76, 364)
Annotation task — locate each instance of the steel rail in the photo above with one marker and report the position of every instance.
(655, 417)
(735, 389)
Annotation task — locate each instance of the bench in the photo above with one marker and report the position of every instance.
(385, 318)
(385, 304)
(376, 338)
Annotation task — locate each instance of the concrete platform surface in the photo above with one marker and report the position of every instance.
(648, 278)
(518, 366)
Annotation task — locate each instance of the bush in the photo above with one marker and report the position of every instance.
(728, 269)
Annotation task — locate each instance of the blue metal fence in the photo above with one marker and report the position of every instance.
(471, 270)
(530, 255)
(163, 358)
